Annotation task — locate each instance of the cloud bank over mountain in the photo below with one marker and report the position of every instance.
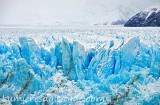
(64, 12)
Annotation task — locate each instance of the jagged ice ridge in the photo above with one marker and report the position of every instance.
(127, 74)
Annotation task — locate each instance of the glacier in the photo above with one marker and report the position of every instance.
(65, 72)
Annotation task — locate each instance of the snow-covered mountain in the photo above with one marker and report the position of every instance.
(148, 17)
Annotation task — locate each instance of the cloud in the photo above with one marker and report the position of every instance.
(48, 11)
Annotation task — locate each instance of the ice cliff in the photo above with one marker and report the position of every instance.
(124, 75)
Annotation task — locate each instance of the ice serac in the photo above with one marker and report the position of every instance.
(79, 60)
(15, 49)
(38, 58)
(129, 52)
(55, 56)
(74, 60)
(108, 62)
(53, 62)
(67, 60)
(155, 63)
(108, 65)
(22, 80)
(30, 50)
(144, 56)
(23, 77)
(46, 56)
(3, 48)
(93, 65)
(111, 61)
(18, 79)
(58, 54)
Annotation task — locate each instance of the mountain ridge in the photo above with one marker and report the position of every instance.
(146, 18)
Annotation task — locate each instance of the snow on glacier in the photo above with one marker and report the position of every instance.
(80, 66)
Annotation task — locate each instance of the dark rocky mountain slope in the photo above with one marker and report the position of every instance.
(146, 18)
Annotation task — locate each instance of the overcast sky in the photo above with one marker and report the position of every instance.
(51, 11)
